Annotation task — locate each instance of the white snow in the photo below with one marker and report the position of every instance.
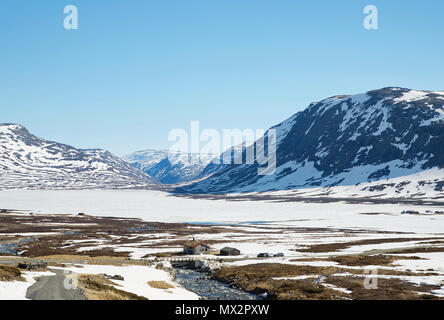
(439, 116)
(412, 95)
(336, 288)
(431, 260)
(162, 207)
(16, 290)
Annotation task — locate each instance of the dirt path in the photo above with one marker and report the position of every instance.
(53, 288)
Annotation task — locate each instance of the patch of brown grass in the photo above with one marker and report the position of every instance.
(99, 260)
(376, 260)
(302, 290)
(433, 242)
(56, 264)
(417, 250)
(97, 287)
(8, 273)
(275, 270)
(258, 278)
(160, 285)
(387, 289)
(163, 254)
(307, 260)
(106, 252)
(332, 247)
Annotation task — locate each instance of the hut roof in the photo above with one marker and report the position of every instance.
(196, 244)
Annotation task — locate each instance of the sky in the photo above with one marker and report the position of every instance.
(136, 69)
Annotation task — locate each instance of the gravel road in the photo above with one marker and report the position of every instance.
(52, 288)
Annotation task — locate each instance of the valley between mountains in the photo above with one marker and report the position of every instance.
(383, 144)
(357, 198)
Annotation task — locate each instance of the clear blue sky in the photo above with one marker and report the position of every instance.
(135, 69)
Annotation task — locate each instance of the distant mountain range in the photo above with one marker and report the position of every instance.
(348, 140)
(170, 167)
(387, 142)
(29, 162)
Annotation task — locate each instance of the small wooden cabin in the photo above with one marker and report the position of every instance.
(227, 251)
(196, 248)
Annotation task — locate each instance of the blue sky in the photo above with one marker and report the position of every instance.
(136, 69)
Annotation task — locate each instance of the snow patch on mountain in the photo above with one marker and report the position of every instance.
(425, 185)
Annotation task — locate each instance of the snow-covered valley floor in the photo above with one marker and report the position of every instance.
(400, 247)
(163, 207)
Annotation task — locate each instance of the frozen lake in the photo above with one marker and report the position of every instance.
(162, 207)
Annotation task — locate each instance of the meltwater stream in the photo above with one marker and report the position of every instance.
(208, 289)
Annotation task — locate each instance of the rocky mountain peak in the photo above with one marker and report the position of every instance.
(347, 140)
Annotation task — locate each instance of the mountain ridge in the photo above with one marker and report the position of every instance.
(170, 167)
(346, 140)
(30, 162)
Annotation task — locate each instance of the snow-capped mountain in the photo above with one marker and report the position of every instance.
(170, 167)
(30, 162)
(347, 141)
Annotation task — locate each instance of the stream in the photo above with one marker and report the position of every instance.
(10, 248)
(208, 289)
